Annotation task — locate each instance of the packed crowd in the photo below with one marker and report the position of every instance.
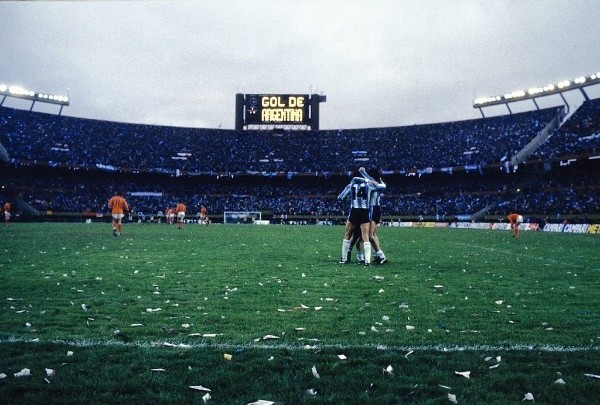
(56, 166)
(441, 196)
(579, 135)
(83, 143)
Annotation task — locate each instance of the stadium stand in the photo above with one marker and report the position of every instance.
(438, 171)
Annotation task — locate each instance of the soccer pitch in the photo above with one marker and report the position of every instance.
(467, 315)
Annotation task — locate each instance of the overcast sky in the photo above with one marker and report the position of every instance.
(380, 63)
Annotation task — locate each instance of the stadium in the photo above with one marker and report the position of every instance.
(257, 307)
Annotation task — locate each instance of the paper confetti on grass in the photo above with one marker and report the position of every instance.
(227, 356)
(261, 402)
(157, 369)
(50, 372)
(270, 337)
(342, 357)
(559, 381)
(199, 388)
(592, 375)
(528, 397)
(389, 370)
(311, 392)
(205, 397)
(452, 398)
(466, 374)
(2, 375)
(23, 373)
(314, 372)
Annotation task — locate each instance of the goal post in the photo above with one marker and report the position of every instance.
(241, 217)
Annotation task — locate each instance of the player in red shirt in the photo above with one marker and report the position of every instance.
(119, 207)
(204, 216)
(180, 209)
(170, 212)
(6, 208)
(515, 220)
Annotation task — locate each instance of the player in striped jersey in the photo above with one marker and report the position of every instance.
(359, 190)
(375, 214)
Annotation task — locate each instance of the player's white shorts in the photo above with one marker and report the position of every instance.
(118, 216)
(6, 215)
(181, 216)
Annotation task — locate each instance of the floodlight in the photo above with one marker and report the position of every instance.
(20, 92)
(534, 92)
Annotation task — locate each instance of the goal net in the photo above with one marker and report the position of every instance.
(241, 217)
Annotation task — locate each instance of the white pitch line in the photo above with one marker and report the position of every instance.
(297, 347)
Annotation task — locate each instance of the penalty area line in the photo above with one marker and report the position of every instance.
(298, 347)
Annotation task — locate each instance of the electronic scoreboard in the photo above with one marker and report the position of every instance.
(278, 110)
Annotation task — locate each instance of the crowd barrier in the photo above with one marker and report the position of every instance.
(562, 228)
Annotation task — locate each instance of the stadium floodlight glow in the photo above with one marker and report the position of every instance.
(535, 91)
(20, 92)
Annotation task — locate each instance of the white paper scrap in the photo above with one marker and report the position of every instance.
(311, 391)
(499, 302)
(314, 372)
(592, 375)
(452, 398)
(466, 374)
(528, 397)
(342, 357)
(50, 372)
(389, 369)
(2, 375)
(23, 373)
(445, 386)
(199, 388)
(494, 366)
(270, 337)
(410, 327)
(157, 369)
(206, 397)
(135, 325)
(69, 353)
(261, 402)
(409, 353)
(559, 381)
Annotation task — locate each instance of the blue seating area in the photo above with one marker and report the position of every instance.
(82, 143)
(65, 164)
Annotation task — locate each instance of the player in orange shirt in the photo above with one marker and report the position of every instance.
(180, 209)
(6, 208)
(119, 207)
(515, 220)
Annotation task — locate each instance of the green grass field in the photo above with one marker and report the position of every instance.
(154, 312)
